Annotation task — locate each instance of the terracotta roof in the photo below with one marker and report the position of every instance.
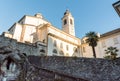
(110, 33)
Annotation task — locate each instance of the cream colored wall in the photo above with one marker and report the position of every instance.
(109, 41)
(64, 36)
(17, 31)
(51, 46)
(87, 51)
(42, 34)
(30, 23)
(34, 21)
(6, 34)
(97, 50)
(100, 49)
(65, 39)
(68, 28)
(29, 33)
(65, 27)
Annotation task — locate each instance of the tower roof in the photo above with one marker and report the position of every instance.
(67, 12)
(38, 15)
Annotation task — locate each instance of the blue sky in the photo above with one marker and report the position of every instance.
(89, 15)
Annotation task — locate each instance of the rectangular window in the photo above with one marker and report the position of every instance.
(67, 48)
(61, 45)
(115, 40)
(103, 44)
(65, 22)
(84, 50)
(55, 43)
(71, 21)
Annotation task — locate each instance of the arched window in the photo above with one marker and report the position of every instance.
(55, 51)
(74, 55)
(67, 54)
(75, 50)
(71, 21)
(84, 50)
(67, 47)
(61, 53)
(43, 40)
(38, 43)
(42, 50)
(65, 22)
(61, 45)
(9, 63)
(55, 43)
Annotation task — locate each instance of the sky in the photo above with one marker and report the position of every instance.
(89, 15)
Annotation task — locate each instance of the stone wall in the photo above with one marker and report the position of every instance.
(46, 68)
(36, 49)
(39, 74)
(85, 68)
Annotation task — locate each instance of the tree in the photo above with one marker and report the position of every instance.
(112, 51)
(92, 39)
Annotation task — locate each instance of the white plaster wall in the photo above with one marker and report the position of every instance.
(34, 21)
(6, 34)
(98, 51)
(65, 27)
(43, 35)
(51, 39)
(88, 51)
(109, 42)
(50, 46)
(29, 32)
(64, 36)
(68, 28)
(17, 32)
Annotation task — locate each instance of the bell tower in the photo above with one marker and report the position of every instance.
(68, 23)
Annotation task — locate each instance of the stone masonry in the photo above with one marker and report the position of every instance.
(86, 68)
(34, 67)
(36, 49)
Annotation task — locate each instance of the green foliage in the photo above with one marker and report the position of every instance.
(111, 52)
(107, 57)
(92, 39)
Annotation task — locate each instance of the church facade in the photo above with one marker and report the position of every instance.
(32, 29)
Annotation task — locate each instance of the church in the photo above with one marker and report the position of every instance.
(32, 29)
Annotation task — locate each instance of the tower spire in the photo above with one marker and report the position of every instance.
(68, 23)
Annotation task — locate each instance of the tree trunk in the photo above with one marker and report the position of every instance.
(93, 49)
